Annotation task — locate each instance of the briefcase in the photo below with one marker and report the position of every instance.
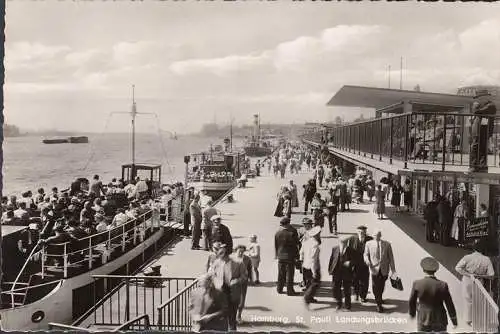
(397, 283)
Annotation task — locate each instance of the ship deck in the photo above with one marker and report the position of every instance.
(252, 212)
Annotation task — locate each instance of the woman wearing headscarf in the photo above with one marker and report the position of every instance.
(278, 212)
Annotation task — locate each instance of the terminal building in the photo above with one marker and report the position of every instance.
(424, 138)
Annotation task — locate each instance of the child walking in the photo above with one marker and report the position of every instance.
(254, 254)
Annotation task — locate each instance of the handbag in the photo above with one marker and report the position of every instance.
(396, 283)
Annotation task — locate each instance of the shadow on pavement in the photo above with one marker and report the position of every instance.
(414, 227)
(390, 306)
(280, 324)
(258, 308)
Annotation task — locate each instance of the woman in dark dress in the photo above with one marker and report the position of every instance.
(380, 202)
(396, 195)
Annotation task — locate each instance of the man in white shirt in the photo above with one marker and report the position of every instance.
(473, 265)
(379, 258)
(206, 224)
(309, 255)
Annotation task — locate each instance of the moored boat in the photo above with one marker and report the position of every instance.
(53, 281)
(215, 172)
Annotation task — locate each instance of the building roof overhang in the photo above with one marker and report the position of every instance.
(378, 98)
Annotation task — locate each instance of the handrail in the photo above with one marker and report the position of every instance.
(112, 291)
(55, 325)
(187, 287)
(484, 292)
(141, 277)
(7, 292)
(21, 271)
(126, 325)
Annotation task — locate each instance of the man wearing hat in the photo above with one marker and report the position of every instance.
(286, 244)
(220, 232)
(432, 294)
(481, 130)
(361, 270)
(341, 267)
(311, 268)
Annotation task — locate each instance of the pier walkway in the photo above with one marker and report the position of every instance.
(266, 310)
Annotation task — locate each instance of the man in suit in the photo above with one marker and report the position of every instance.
(361, 270)
(286, 244)
(379, 258)
(431, 294)
(220, 233)
(341, 267)
(229, 277)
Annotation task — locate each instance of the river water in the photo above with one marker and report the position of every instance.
(30, 164)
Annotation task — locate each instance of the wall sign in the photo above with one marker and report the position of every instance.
(478, 228)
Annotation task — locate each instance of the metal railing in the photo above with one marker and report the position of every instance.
(97, 249)
(418, 137)
(117, 299)
(174, 314)
(54, 326)
(140, 323)
(100, 246)
(484, 307)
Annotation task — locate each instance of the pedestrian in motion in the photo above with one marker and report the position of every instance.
(309, 254)
(379, 258)
(341, 268)
(286, 244)
(431, 294)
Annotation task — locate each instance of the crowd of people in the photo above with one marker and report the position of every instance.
(355, 260)
(84, 209)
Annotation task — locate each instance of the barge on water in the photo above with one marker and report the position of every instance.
(70, 140)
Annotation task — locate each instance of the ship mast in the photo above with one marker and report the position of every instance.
(133, 113)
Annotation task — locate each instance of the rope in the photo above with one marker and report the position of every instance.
(161, 142)
(92, 145)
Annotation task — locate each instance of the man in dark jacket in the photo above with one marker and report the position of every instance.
(220, 233)
(445, 217)
(361, 270)
(481, 130)
(286, 243)
(431, 294)
(431, 217)
(341, 267)
(309, 191)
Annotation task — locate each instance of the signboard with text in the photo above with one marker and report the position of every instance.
(477, 228)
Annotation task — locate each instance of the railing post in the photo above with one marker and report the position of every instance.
(390, 133)
(127, 300)
(443, 149)
(65, 260)
(359, 139)
(407, 138)
(124, 239)
(380, 140)
(42, 255)
(90, 253)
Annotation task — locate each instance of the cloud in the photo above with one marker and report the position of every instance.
(21, 53)
(295, 55)
(220, 66)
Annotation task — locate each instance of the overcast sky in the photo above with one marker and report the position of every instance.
(69, 64)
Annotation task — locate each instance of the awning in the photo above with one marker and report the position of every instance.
(372, 97)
